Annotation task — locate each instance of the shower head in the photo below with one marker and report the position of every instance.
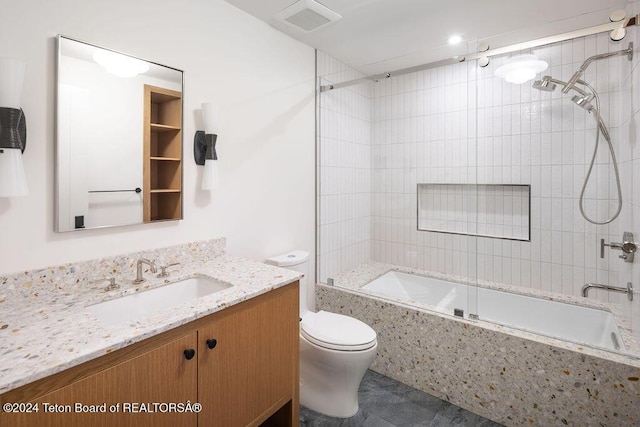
(583, 101)
(545, 84)
(549, 84)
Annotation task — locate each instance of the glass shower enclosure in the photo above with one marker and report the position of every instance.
(453, 174)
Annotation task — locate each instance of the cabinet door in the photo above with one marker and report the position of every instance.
(253, 369)
(163, 375)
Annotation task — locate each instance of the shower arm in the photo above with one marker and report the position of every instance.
(575, 78)
(565, 85)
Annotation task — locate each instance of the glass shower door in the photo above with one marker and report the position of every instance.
(397, 174)
(534, 137)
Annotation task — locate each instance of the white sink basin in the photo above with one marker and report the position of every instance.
(141, 304)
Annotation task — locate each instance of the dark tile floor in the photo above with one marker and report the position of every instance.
(385, 402)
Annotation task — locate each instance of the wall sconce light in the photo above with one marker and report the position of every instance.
(13, 129)
(204, 146)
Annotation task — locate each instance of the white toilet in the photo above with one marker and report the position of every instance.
(335, 351)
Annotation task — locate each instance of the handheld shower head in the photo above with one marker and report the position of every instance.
(545, 85)
(583, 102)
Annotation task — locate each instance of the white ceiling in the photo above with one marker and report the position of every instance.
(375, 36)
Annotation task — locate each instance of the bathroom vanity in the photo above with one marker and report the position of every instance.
(234, 363)
(237, 368)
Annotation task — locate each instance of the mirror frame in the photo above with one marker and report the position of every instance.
(57, 153)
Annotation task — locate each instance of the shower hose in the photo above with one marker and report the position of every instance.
(599, 126)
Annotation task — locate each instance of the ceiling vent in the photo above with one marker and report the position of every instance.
(307, 15)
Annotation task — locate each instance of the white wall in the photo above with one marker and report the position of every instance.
(264, 82)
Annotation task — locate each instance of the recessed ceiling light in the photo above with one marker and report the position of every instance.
(455, 39)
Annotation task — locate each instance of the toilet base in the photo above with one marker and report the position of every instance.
(329, 379)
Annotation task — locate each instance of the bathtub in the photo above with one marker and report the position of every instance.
(569, 322)
(539, 359)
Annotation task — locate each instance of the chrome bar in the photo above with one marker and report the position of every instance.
(610, 26)
(628, 290)
(325, 88)
(136, 190)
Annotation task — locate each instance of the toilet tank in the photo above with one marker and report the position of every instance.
(298, 261)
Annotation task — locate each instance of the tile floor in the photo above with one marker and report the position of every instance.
(385, 402)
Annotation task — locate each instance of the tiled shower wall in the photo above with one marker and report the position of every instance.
(423, 132)
(344, 129)
(460, 124)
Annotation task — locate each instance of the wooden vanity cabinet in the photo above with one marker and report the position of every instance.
(253, 365)
(243, 372)
(160, 375)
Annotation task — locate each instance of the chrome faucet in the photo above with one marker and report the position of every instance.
(139, 276)
(628, 290)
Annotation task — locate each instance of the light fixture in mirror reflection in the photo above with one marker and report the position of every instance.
(101, 159)
(13, 129)
(120, 65)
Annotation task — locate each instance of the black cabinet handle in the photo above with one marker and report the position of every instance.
(189, 353)
(212, 342)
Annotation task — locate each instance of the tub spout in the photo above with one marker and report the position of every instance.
(628, 290)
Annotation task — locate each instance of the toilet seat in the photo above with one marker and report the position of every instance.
(337, 332)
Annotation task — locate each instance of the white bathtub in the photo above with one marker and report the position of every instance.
(582, 325)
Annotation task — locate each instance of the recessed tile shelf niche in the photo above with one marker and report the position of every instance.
(487, 210)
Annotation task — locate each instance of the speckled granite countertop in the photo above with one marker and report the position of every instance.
(45, 327)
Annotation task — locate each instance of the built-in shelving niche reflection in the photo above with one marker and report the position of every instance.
(488, 210)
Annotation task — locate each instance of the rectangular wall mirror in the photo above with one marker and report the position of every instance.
(119, 139)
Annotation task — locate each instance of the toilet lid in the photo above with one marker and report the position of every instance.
(337, 332)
